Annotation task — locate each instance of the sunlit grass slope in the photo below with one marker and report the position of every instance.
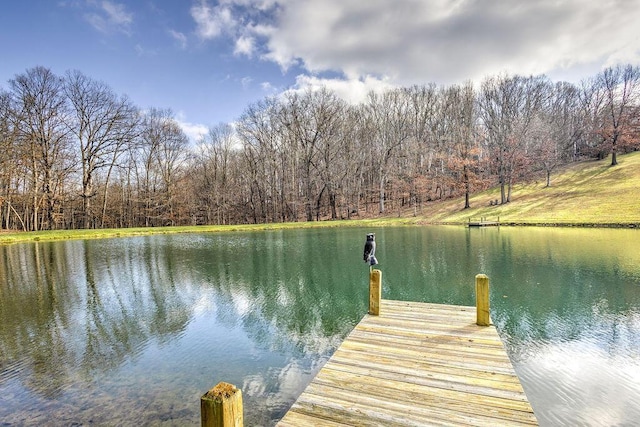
(586, 193)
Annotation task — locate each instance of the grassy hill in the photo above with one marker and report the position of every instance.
(585, 193)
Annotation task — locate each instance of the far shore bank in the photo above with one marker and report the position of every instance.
(10, 236)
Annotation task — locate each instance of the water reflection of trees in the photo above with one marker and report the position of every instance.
(73, 310)
(568, 285)
(288, 289)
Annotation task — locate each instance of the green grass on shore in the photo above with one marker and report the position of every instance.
(35, 236)
(589, 193)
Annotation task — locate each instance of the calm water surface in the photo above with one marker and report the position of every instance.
(133, 331)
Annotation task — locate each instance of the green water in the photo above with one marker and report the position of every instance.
(133, 331)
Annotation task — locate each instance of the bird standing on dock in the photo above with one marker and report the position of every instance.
(370, 249)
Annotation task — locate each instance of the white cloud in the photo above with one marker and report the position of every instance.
(445, 41)
(245, 45)
(109, 17)
(117, 13)
(408, 42)
(354, 91)
(180, 38)
(246, 82)
(261, 5)
(194, 131)
(212, 21)
(267, 87)
(144, 52)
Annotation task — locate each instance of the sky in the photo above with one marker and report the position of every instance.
(209, 60)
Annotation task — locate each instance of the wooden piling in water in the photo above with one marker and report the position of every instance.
(483, 317)
(222, 407)
(375, 291)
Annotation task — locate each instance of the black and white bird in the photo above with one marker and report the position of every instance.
(370, 249)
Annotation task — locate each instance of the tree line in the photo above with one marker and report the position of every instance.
(74, 154)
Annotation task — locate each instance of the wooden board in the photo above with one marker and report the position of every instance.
(415, 364)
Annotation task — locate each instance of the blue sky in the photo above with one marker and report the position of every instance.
(208, 60)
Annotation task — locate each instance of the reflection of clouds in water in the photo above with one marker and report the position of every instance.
(275, 390)
(283, 296)
(241, 303)
(580, 364)
(294, 377)
(203, 304)
(313, 339)
(617, 333)
(582, 379)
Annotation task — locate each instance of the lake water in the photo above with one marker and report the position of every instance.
(132, 331)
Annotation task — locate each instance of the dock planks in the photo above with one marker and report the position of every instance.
(415, 364)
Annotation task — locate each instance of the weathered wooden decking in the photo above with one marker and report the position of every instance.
(415, 364)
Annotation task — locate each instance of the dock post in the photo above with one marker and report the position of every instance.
(483, 317)
(222, 407)
(375, 291)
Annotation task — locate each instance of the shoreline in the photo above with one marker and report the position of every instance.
(10, 237)
(511, 223)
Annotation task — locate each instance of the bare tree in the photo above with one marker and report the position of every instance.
(327, 113)
(311, 122)
(389, 118)
(591, 106)
(508, 106)
(463, 158)
(10, 164)
(214, 159)
(353, 160)
(425, 113)
(621, 87)
(164, 151)
(555, 129)
(259, 130)
(103, 126)
(39, 116)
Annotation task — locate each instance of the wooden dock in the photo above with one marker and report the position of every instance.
(483, 222)
(415, 364)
